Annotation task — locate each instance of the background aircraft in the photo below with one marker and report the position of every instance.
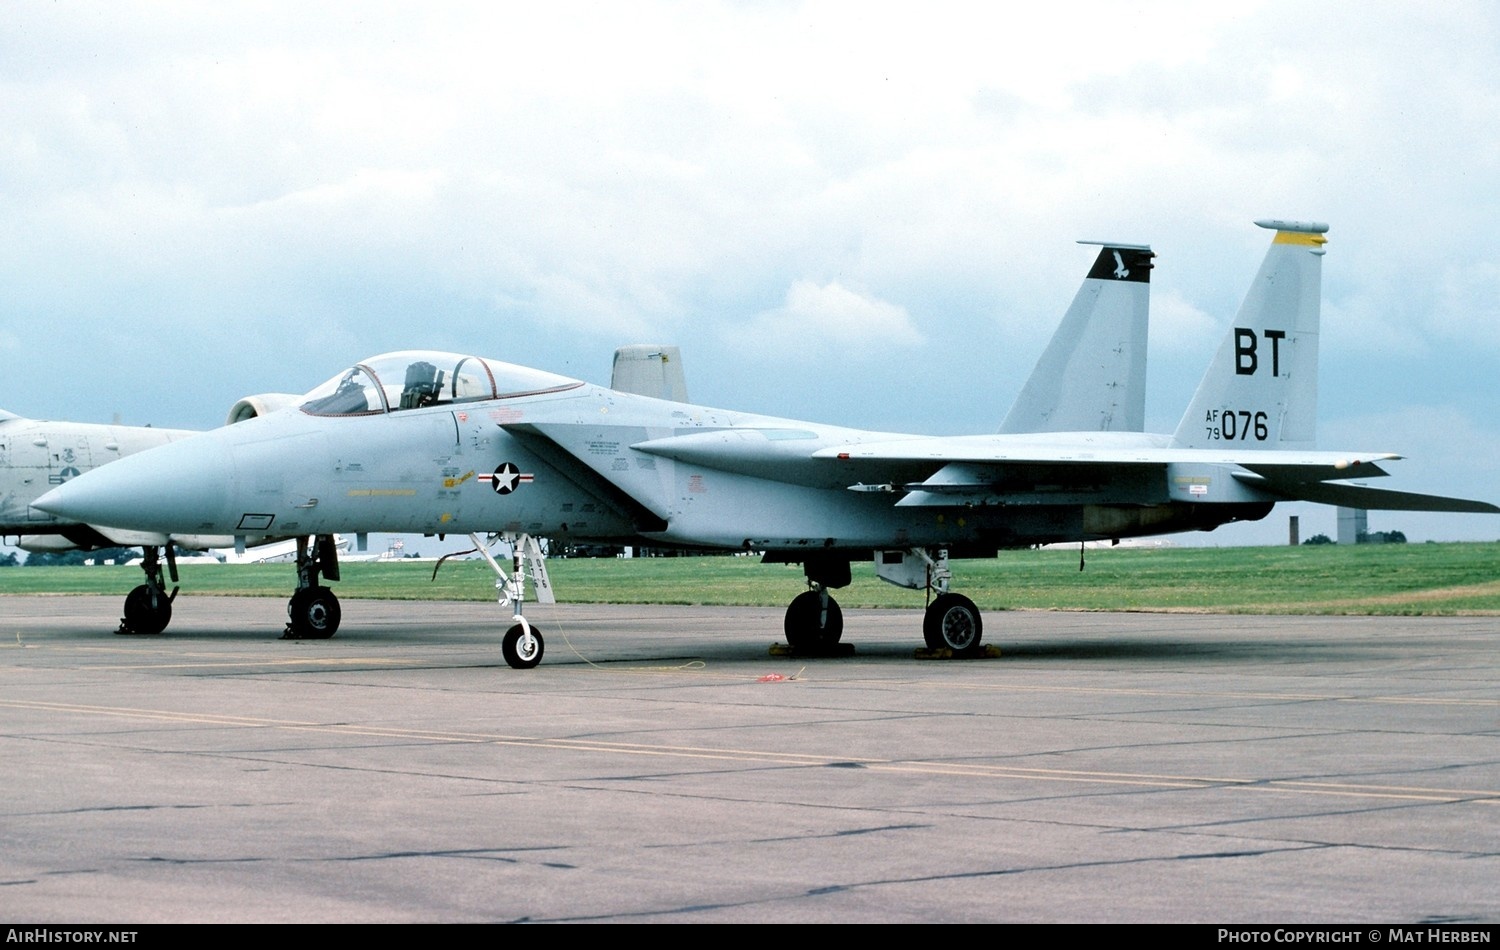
(441, 443)
(36, 456)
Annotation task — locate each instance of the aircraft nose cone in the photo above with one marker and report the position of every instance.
(173, 488)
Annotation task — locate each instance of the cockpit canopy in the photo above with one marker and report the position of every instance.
(415, 378)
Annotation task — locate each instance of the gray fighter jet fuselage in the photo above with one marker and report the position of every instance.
(564, 459)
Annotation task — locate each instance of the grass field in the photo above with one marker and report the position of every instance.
(1406, 579)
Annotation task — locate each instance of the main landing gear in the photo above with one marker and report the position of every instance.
(522, 644)
(951, 625)
(313, 612)
(952, 622)
(148, 608)
(814, 623)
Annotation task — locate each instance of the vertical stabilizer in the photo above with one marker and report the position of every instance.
(1092, 376)
(647, 369)
(1261, 390)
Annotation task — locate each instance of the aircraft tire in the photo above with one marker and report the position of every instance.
(510, 648)
(804, 625)
(952, 622)
(315, 614)
(147, 612)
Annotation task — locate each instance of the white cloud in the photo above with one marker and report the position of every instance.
(817, 320)
(274, 190)
(1467, 306)
(1178, 327)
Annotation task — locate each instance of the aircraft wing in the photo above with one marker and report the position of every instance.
(1072, 469)
(1044, 469)
(971, 467)
(1278, 465)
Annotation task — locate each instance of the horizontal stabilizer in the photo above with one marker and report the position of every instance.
(1292, 474)
(1377, 499)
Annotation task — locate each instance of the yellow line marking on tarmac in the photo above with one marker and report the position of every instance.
(975, 770)
(189, 660)
(360, 661)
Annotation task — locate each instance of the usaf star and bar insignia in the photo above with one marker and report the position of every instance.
(507, 478)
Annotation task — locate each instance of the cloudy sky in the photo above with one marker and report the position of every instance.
(848, 212)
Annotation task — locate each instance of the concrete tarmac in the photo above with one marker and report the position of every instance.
(1107, 767)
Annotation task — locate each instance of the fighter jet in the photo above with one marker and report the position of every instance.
(448, 444)
(1091, 377)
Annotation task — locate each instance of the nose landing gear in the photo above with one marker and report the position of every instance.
(522, 645)
(148, 608)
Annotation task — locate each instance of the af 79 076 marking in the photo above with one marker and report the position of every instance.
(1229, 425)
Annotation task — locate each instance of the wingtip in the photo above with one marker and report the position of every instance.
(1300, 227)
(1119, 244)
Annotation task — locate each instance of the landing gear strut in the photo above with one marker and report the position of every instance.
(951, 622)
(522, 644)
(148, 608)
(313, 612)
